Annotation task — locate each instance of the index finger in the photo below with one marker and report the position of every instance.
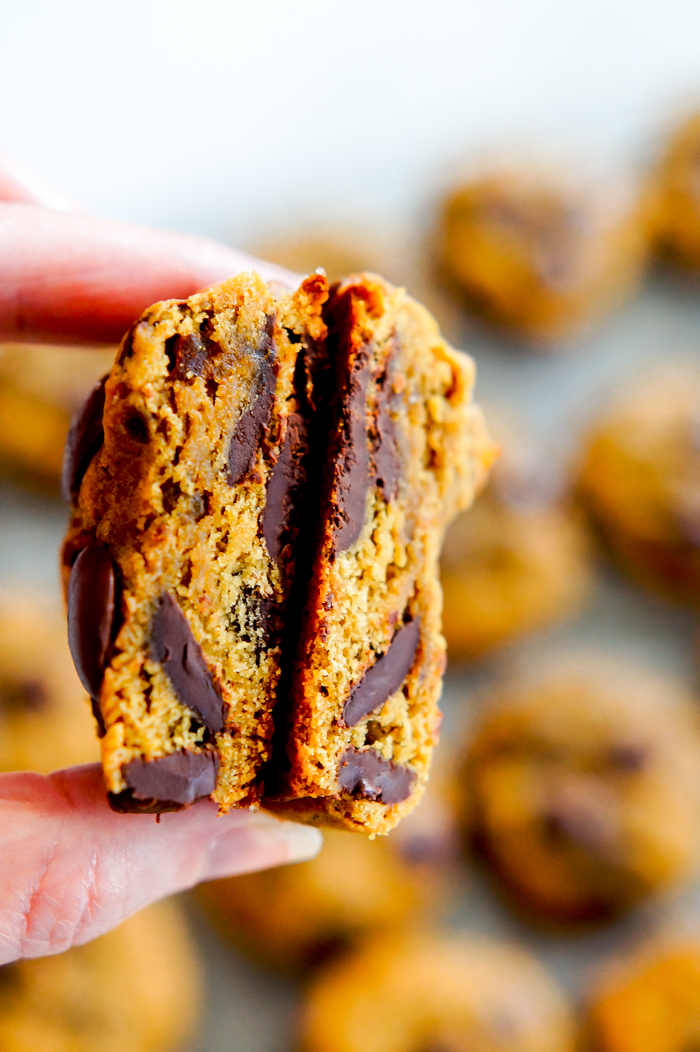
(67, 277)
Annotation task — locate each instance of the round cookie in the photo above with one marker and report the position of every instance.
(45, 721)
(136, 988)
(676, 196)
(640, 481)
(649, 1002)
(455, 993)
(539, 252)
(584, 785)
(296, 917)
(40, 390)
(517, 563)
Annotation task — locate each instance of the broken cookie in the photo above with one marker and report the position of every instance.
(251, 565)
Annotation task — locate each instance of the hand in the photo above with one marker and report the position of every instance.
(71, 869)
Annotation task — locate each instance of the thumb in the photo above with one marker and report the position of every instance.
(71, 869)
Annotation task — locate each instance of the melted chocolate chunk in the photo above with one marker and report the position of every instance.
(176, 649)
(84, 439)
(384, 677)
(364, 773)
(352, 463)
(286, 478)
(167, 783)
(91, 606)
(250, 429)
(385, 453)
(188, 355)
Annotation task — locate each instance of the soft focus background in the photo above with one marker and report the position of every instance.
(264, 125)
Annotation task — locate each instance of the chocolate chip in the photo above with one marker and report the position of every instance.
(91, 603)
(386, 459)
(352, 469)
(136, 425)
(250, 428)
(23, 695)
(176, 649)
(85, 437)
(286, 478)
(629, 756)
(385, 454)
(187, 355)
(366, 774)
(384, 677)
(170, 492)
(167, 783)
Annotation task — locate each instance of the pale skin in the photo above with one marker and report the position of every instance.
(71, 869)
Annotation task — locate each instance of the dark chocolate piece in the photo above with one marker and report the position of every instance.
(136, 426)
(189, 355)
(629, 756)
(363, 772)
(584, 821)
(85, 437)
(168, 782)
(249, 430)
(385, 453)
(384, 677)
(23, 695)
(176, 649)
(352, 471)
(91, 603)
(287, 475)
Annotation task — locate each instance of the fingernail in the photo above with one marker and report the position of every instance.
(259, 842)
(304, 842)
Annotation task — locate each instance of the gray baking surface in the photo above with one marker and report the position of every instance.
(251, 1010)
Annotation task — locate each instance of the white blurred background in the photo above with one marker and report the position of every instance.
(236, 119)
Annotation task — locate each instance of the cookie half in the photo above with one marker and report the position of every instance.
(180, 554)
(405, 450)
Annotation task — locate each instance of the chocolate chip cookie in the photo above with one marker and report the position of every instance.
(455, 993)
(135, 988)
(676, 196)
(584, 782)
(640, 481)
(40, 390)
(540, 252)
(517, 562)
(45, 721)
(649, 1001)
(259, 494)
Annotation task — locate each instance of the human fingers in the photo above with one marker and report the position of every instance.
(71, 869)
(20, 184)
(75, 278)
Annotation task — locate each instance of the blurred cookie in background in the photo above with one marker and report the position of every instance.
(583, 779)
(297, 917)
(338, 251)
(41, 388)
(640, 480)
(541, 252)
(136, 988)
(518, 562)
(676, 196)
(395, 252)
(452, 993)
(45, 720)
(649, 1001)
